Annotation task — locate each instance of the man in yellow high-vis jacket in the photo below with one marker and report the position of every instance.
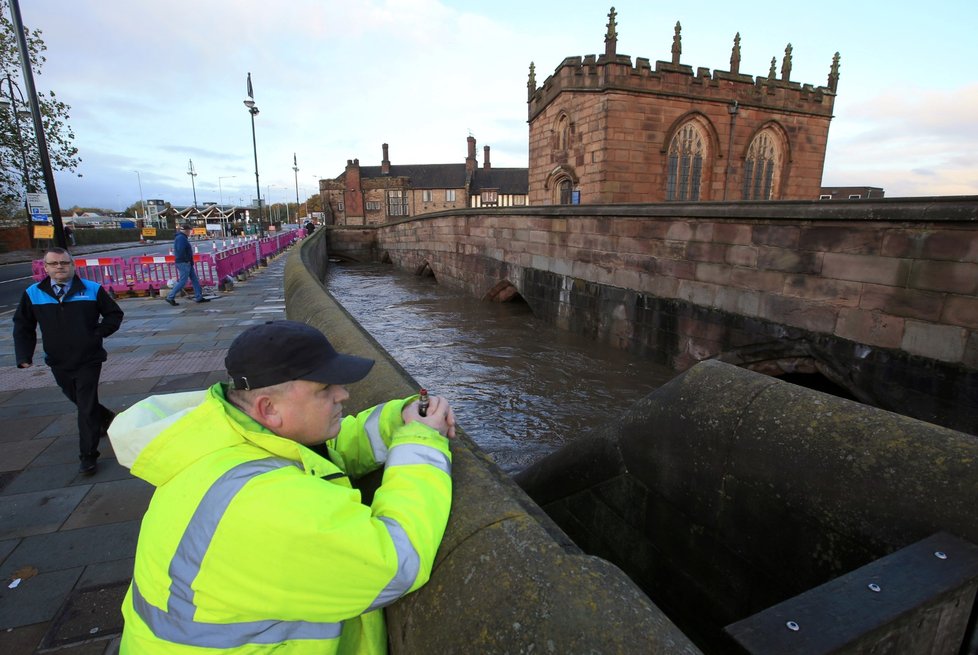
(255, 543)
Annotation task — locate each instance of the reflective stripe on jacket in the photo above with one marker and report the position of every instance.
(253, 543)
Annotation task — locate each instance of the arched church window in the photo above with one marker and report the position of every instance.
(563, 132)
(565, 189)
(761, 167)
(685, 172)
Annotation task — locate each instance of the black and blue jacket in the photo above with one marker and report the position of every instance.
(71, 330)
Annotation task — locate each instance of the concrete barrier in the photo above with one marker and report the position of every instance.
(725, 492)
(506, 579)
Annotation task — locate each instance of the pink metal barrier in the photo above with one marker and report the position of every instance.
(150, 273)
(110, 272)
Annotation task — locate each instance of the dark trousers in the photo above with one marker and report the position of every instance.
(81, 387)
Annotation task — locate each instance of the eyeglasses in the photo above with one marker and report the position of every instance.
(67, 263)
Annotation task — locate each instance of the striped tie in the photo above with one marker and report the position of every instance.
(59, 290)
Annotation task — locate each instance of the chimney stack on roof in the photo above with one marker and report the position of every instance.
(385, 164)
(485, 161)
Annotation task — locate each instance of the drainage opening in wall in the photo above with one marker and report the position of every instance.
(504, 291)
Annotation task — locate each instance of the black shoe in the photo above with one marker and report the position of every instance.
(203, 300)
(171, 301)
(88, 466)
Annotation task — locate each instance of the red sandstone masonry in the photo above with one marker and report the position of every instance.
(732, 233)
(862, 297)
(947, 276)
(908, 303)
(870, 327)
(797, 312)
(948, 245)
(961, 310)
(865, 268)
(741, 256)
(841, 238)
(836, 292)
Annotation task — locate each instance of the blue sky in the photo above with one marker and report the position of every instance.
(154, 84)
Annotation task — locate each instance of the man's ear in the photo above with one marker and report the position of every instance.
(267, 412)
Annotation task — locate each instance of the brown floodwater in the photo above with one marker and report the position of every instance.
(520, 388)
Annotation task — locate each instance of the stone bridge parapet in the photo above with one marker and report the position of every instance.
(880, 296)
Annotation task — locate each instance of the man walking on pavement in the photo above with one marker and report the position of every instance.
(183, 255)
(74, 315)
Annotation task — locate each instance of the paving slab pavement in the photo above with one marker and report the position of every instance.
(71, 539)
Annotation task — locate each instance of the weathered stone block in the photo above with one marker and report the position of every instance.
(732, 233)
(961, 310)
(747, 278)
(788, 260)
(952, 277)
(840, 238)
(942, 342)
(796, 312)
(698, 293)
(784, 236)
(837, 292)
(899, 301)
(866, 268)
(738, 301)
(872, 328)
(700, 251)
(741, 256)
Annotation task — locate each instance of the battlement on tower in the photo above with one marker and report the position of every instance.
(614, 72)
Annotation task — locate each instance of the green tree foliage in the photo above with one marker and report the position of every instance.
(17, 138)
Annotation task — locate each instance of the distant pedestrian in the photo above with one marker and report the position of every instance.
(183, 255)
(310, 227)
(75, 315)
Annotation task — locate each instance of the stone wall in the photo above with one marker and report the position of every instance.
(725, 492)
(505, 579)
(880, 296)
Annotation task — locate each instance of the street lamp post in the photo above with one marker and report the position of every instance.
(295, 168)
(42, 144)
(253, 110)
(142, 203)
(192, 173)
(220, 191)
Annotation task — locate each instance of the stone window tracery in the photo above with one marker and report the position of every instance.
(687, 151)
(762, 167)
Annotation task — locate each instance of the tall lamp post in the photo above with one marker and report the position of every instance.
(253, 110)
(295, 168)
(220, 191)
(192, 173)
(142, 203)
(25, 171)
(42, 144)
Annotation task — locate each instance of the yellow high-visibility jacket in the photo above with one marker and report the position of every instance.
(253, 543)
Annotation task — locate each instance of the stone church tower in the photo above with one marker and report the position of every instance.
(603, 131)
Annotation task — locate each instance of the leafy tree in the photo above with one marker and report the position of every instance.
(314, 203)
(17, 138)
(135, 210)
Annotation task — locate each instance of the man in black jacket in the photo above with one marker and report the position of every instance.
(74, 315)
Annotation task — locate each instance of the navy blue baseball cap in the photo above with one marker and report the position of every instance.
(282, 351)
